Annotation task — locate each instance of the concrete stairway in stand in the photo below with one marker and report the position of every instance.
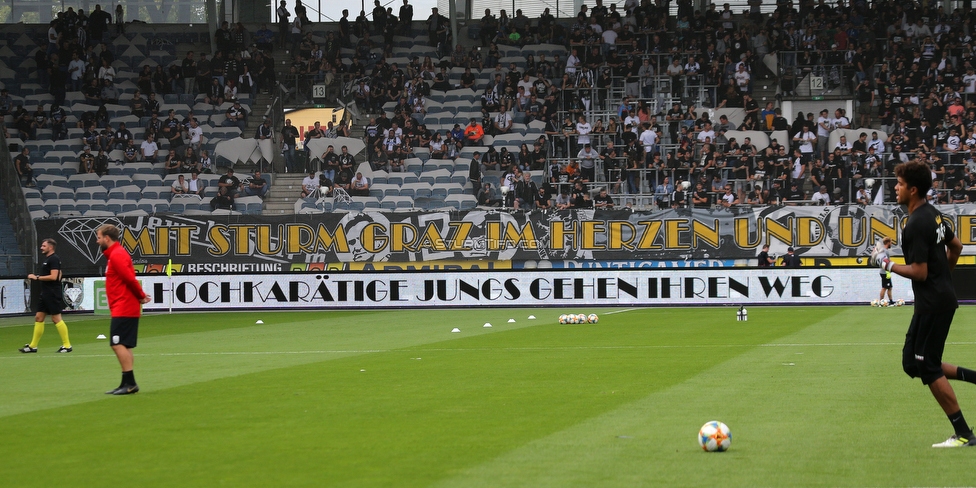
(287, 189)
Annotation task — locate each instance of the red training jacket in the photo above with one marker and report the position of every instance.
(123, 291)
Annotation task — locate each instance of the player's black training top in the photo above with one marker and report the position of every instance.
(924, 240)
(52, 262)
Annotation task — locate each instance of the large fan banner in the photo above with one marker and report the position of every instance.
(480, 239)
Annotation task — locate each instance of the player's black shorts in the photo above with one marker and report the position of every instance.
(48, 303)
(124, 331)
(886, 282)
(924, 343)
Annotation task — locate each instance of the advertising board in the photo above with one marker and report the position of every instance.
(513, 288)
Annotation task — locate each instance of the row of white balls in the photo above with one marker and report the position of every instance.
(578, 318)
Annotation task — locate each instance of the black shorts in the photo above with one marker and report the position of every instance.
(124, 331)
(922, 355)
(48, 304)
(886, 282)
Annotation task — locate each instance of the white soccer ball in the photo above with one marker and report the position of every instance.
(592, 318)
(900, 302)
(563, 319)
(581, 318)
(883, 303)
(874, 303)
(571, 318)
(714, 436)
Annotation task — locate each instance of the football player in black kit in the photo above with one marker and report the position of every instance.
(48, 298)
(931, 251)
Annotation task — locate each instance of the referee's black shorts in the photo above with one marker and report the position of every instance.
(124, 331)
(924, 343)
(48, 304)
(886, 282)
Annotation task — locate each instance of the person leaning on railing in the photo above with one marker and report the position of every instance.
(755, 195)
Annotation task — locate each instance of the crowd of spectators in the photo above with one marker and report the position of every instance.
(911, 70)
(911, 81)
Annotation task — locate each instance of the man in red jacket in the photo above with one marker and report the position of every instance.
(125, 297)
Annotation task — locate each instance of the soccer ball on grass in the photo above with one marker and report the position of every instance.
(874, 303)
(714, 436)
(563, 319)
(592, 318)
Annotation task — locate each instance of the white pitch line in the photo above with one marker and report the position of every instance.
(846, 344)
(541, 348)
(31, 324)
(214, 353)
(60, 356)
(696, 346)
(621, 311)
(251, 353)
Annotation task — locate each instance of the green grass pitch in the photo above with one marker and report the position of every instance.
(814, 396)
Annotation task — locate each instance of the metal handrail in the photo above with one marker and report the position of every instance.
(6, 269)
(275, 13)
(319, 12)
(17, 208)
(885, 180)
(276, 113)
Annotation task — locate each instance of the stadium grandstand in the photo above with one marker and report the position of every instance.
(609, 105)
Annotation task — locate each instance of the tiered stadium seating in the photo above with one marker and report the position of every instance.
(56, 163)
(140, 186)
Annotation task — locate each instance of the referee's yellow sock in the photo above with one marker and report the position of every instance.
(38, 332)
(63, 332)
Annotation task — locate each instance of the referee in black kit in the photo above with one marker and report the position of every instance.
(48, 298)
(931, 251)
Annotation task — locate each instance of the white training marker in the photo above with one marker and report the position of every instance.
(531, 317)
(487, 325)
(511, 321)
(259, 322)
(456, 330)
(362, 371)
(101, 336)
